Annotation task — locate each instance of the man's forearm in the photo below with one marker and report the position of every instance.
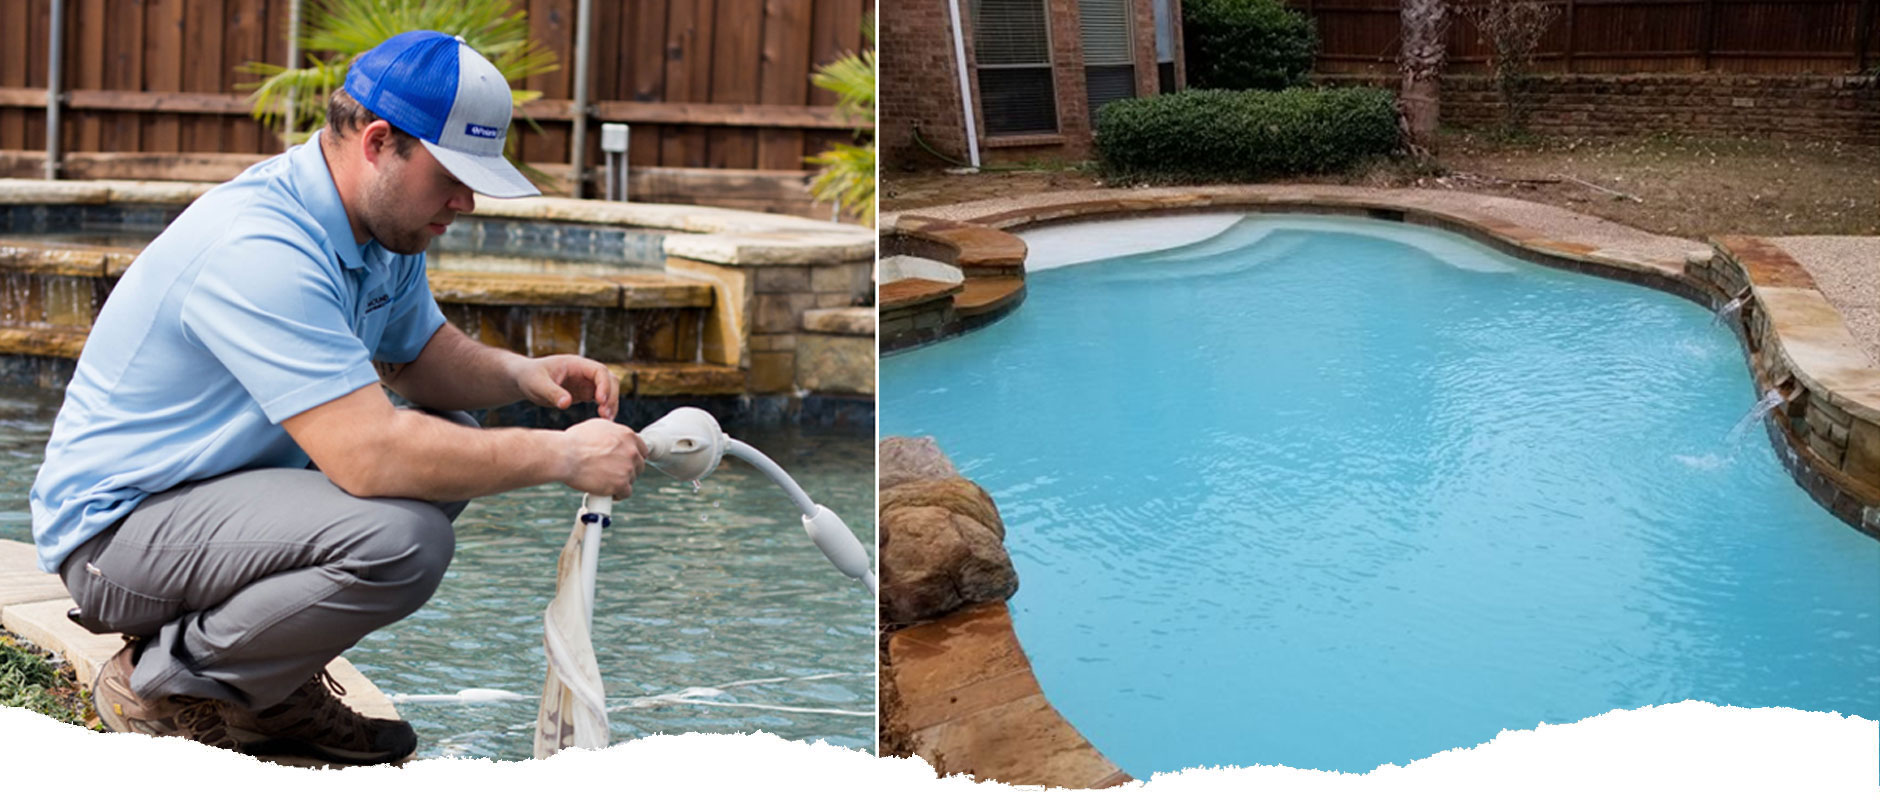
(370, 449)
(431, 458)
(456, 373)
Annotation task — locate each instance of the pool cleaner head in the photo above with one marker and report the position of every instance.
(685, 444)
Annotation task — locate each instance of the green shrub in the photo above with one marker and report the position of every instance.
(1246, 44)
(1213, 135)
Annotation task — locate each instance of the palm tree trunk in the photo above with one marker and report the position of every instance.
(1425, 28)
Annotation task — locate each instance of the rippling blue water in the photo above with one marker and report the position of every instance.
(694, 590)
(1334, 494)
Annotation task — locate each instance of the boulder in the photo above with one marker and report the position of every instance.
(942, 547)
(902, 459)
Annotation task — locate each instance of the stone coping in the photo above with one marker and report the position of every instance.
(969, 703)
(973, 248)
(840, 321)
(908, 292)
(622, 289)
(716, 235)
(1821, 352)
(1535, 227)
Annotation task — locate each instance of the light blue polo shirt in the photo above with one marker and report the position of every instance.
(253, 306)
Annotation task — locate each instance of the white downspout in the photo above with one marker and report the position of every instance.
(966, 85)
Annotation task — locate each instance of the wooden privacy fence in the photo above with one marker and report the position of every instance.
(716, 92)
(1628, 36)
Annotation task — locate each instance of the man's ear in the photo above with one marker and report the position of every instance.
(375, 141)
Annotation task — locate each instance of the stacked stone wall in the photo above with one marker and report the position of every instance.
(1795, 107)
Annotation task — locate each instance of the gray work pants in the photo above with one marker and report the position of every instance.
(246, 584)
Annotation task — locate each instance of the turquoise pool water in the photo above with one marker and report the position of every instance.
(1334, 493)
(695, 590)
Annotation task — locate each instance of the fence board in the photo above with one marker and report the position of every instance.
(688, 77)
(86, 43)
(642, 71)
(247, 41)
(163, 71)
(1736, 36)
(704, 83)
(15, 38)
(737, 64)
(785, 79)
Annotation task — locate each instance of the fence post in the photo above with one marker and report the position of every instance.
(56, 48)
(578, 108)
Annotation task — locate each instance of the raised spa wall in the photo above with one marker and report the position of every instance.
(680, 301)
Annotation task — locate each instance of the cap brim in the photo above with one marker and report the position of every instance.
(490, 176)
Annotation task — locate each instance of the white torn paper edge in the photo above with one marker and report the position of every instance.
(1688, 749)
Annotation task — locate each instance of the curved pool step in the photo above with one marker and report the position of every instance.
(33, 606)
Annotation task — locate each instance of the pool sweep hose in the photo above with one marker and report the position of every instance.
(687, 444)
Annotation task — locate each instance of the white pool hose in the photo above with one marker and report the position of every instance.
(595, 512)
(687, 444)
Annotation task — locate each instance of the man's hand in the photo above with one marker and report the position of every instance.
(605, 458)
(561, 381)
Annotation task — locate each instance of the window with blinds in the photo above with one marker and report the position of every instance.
(1109, 57)
(1012, 44)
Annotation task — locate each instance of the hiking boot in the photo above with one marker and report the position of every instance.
(314, 722)
(121, 709)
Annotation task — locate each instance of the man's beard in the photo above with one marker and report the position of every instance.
(403, 242)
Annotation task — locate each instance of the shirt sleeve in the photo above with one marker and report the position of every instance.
(272, 311)
(415, 315)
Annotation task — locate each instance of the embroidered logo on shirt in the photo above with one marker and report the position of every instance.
(377, 303)
(482, 131)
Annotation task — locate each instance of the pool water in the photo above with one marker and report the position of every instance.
(698, 589)
(1335, 493)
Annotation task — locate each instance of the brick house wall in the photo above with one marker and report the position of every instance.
(1825, 107)
(920, 84)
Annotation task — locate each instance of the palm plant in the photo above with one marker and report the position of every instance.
(847, 177)
(346, 28)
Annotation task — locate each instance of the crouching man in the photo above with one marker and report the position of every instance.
(250, 339)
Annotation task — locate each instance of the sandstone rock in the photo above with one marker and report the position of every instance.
(836, 364)
(904, 458)
(942, 548)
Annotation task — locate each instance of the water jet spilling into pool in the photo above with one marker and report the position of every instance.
(1768, 403)
(1727, 313)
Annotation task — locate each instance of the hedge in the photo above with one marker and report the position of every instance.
(1213, 134)
(1246, 44)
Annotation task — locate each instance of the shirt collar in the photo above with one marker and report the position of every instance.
(321, 197)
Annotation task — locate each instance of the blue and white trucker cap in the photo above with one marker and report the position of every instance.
(434, 87)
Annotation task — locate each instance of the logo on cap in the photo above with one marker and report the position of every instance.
(482, 131)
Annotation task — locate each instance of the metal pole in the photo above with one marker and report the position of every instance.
(584, 17)
(966, 86)
(293, 62)
(52, 89)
